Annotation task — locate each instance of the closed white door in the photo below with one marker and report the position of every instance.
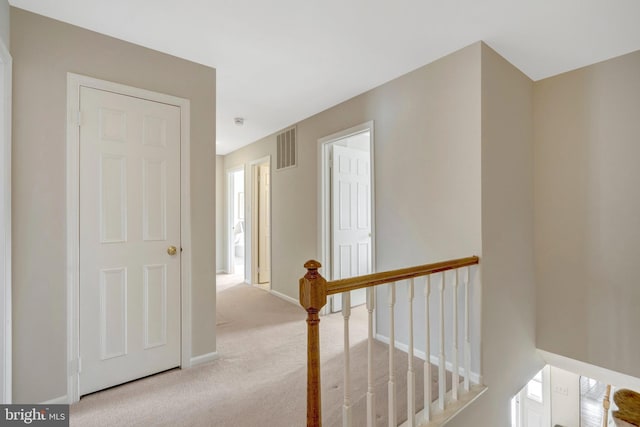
(264, 224)
(351, 218)
(129, 225)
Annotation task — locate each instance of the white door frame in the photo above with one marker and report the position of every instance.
(5, 225)
(251, 209)
(229, 222)
(324, 196)
(74, 82)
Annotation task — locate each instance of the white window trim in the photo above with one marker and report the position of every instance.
(74, 82)
(5, 226)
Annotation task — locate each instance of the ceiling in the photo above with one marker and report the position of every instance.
(280, 61)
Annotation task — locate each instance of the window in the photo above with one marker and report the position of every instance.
(534, 388)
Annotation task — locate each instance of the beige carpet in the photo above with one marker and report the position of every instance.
(226, 281)
(260, 377)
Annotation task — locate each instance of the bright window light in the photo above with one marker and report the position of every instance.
(534, 388)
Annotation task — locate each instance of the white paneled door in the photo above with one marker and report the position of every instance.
(351, 217)
(129, 238)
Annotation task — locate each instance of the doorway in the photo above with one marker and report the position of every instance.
(128, 211)
(531, 407)
(347, 206)
(236, 223)
(5, 224)
(261, 222)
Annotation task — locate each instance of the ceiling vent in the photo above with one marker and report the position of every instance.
(287, 149)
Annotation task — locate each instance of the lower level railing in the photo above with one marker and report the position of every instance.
(314, 290)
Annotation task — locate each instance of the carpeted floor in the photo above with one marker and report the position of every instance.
(260, 377)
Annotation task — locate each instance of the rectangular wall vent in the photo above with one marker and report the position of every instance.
(287, 149)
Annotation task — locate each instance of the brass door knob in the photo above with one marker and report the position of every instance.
(172, 250)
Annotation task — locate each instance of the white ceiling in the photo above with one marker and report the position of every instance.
(279, 61)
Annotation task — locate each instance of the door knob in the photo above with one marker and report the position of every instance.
(172, 250)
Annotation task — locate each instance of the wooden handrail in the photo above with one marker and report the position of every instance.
(314, 290)
(353, 283)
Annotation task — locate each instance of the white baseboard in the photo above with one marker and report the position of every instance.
(474, 376)
(605, 375)
(62, 400)
(204, 358)
(286, 298)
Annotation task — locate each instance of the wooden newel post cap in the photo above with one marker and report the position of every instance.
(312, 264)
(313, 288)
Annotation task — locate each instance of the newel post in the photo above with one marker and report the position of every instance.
(313, 296)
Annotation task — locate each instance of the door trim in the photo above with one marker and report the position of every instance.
(324, 196)
(74, 82)
(251, 209)
(5, 228)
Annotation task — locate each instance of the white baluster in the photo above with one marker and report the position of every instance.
(371, 412)
(467, 339)
(346, 407)
(427, 352)
(442, 385)
(392, 340)
(411, 376)
(455, 375)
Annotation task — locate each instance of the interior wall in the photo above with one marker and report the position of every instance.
(5, 282)
(426, 141)
(427, 138)
(509, 356)
(221, 251)
(4, 22)
(433, 155)
(587, 213)
(44, 51)
(457, 137)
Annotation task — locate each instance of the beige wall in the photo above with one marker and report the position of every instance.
(44, 51)
(587, 213)
(419, 119)
(453, 177)
(509, 357)
(220, 215)
(4, 22)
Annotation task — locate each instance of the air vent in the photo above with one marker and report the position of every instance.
(287, 152)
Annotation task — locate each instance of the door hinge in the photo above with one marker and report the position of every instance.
(79, 119)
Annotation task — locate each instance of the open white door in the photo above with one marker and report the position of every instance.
(129, 238)
(264, 224)
(350, 217)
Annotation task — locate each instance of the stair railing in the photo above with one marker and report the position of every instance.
(314, 290)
